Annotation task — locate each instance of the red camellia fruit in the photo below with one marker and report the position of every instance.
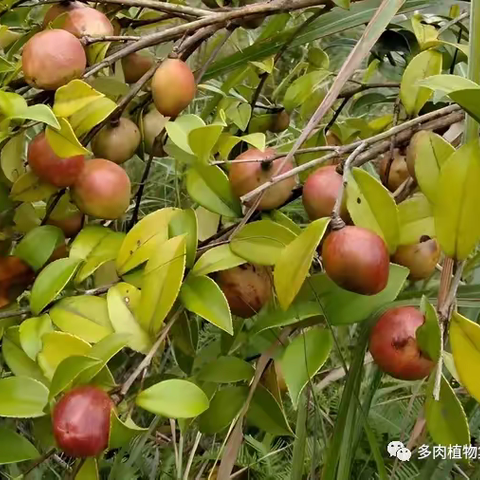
(173, 87)
(357, 260)
(135, 66)
(87, 21)
(247, 288)
(102, 189)
(60, 8)
(52, 58)
(394, 347)
(61, 172)
(321, 191)
(81, 421)
(247, 176)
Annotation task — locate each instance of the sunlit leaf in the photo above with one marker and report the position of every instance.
(22, 397)
(217, 259)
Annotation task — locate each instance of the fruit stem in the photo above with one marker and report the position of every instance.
(337, 223)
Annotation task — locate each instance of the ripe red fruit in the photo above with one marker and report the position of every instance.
(320, 192)
(81, 421)
(135, 66)
(117, 143)
(15, 277)
(420, 258)
(61, 172)
(173, 87)
(58, 9)
(87, 21)
(52, 58)
(247, 288)
(245, 177)
(394, 347)
(70, 224)
(357, 260)
(102, 190)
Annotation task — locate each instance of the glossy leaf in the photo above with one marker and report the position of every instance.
(29, 188)
(446, 420)
(49, 237)
(300, 90)
(22, 397)
(142, 240)
(458, 197)
(173, 399)
(51, 281)
(38, 113)
(371, 206)
(162, 280)
(122, 433)
(72, 97)
(88, 238)
(217, 259)
(11, 157)
(262, 242)
(179, 130)
(31, 332)
(294, 262)
(64, 141)
(14, 448)
(415, 216)
(91, 115)
(201, 295)
(423, 65)
(226, 370)
(85, 316)
(202, 140)
(303, 358)
(88, 470)
(428, 335)
(185, 222)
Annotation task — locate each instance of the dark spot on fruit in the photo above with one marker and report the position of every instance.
(424, 238)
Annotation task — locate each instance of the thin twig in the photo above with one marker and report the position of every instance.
(39, 461)
(391, 156)
(52, 205)
(453, 22)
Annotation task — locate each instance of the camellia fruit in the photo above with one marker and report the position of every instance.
(52, 58)
(420, 258)
(15, 277)
(321, 191)
(135, 66)
(102, 189)
(280, 122)
(247, 288)
(47, 165)
(414, 149)
(394, 347)
(81, 421)
(398, 170)
(118, 142)
(173, 87)
(356, 259)
(59, 9)
(86, 22)
(153, 125)
(247, 176)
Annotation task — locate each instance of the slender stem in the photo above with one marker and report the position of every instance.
(14, 313)
(52, 205)
(39, 461)
(192, 456)
(173, 429)
(180, 456)
(337, 113)
(396, 113)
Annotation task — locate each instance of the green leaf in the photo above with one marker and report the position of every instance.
(265, 413)
(56, 347)
(29, 188)
(12, 157)
(279, 217)
(446, 420)
(203, 139)
(123, 319)
(91, 115)
(28, 250)
(371, 206)
(209, 186)
(224, 407)
(201, 295)
(294, 262)
(105, 251)
(216, 259)
(428, 152)
(342, 307)
(303, 358)
(173, 399)
(423, 65)
(38, 113)
(143, 239)
(458, 196)
(240, 115)
(14, 448)
(301, 89)
(88, 470)
(465, 343)
(162, 281)
(226, 370)
(179, 130)
(428, 335)
(64, 141)
(85, 316)
(122, 433)
(11, 104)
(68, 370)
(73, 97)
(415, 216)
(22, 397)
(51, 281)
(89, 237)
(262, 242)
(185, 222)
(31, 332)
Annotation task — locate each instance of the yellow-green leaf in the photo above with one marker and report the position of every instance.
(22, 397)
(29, 188)
(122, 433)
(64, 141)
(415, 216)
(92, 114)
(294, 262)
(217, 259)
(87, 240)
(12, 157)
(203, 139)
(14, 448)
(31, 332)
(74, 96)
(185, 222)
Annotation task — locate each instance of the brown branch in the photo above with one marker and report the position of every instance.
(351, 91)
(170, 8)
(86, 40)
(396, 113)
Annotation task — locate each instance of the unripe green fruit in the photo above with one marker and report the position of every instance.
(356, 259)
(102, 190)
(173, 87)
(135, 66)
(247, 176)
(52, 58)
(47, 165)
(117, 143)
(247, 288)
(153, 125)
(420, 258)
(394, 346)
